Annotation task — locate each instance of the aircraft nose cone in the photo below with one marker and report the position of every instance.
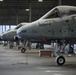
(3, 36)
(19, 32)
(0, 37)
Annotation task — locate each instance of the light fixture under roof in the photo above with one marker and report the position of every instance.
(40, 0)
(1, 0)
(27, 9)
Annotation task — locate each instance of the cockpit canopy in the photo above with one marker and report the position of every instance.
(21, 24)
(60, 11)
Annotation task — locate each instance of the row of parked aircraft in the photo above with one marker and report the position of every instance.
(58, 25)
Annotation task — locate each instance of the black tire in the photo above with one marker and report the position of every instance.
(41, 47)
(71, 50)
(11, 46)
(36, 46)
(23, 50)
(60, 60)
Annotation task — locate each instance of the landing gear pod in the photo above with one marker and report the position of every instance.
(60, 60)
(23, 50)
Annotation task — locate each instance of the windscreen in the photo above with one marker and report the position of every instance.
(60, 11)
(54, 13)
(18, 26)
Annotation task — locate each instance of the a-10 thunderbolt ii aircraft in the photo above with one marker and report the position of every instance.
(59, 25)
(10, 34)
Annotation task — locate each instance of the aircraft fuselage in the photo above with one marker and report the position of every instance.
(48, 29)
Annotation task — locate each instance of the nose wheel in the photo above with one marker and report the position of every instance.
(11, 46)
(60, 60)
(23, 50)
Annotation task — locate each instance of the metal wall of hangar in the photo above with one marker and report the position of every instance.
(13, 12)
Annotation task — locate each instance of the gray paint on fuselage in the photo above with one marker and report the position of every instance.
(56, 28)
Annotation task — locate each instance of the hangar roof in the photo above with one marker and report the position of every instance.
(13, 12)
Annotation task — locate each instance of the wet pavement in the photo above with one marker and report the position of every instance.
(13, 62)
